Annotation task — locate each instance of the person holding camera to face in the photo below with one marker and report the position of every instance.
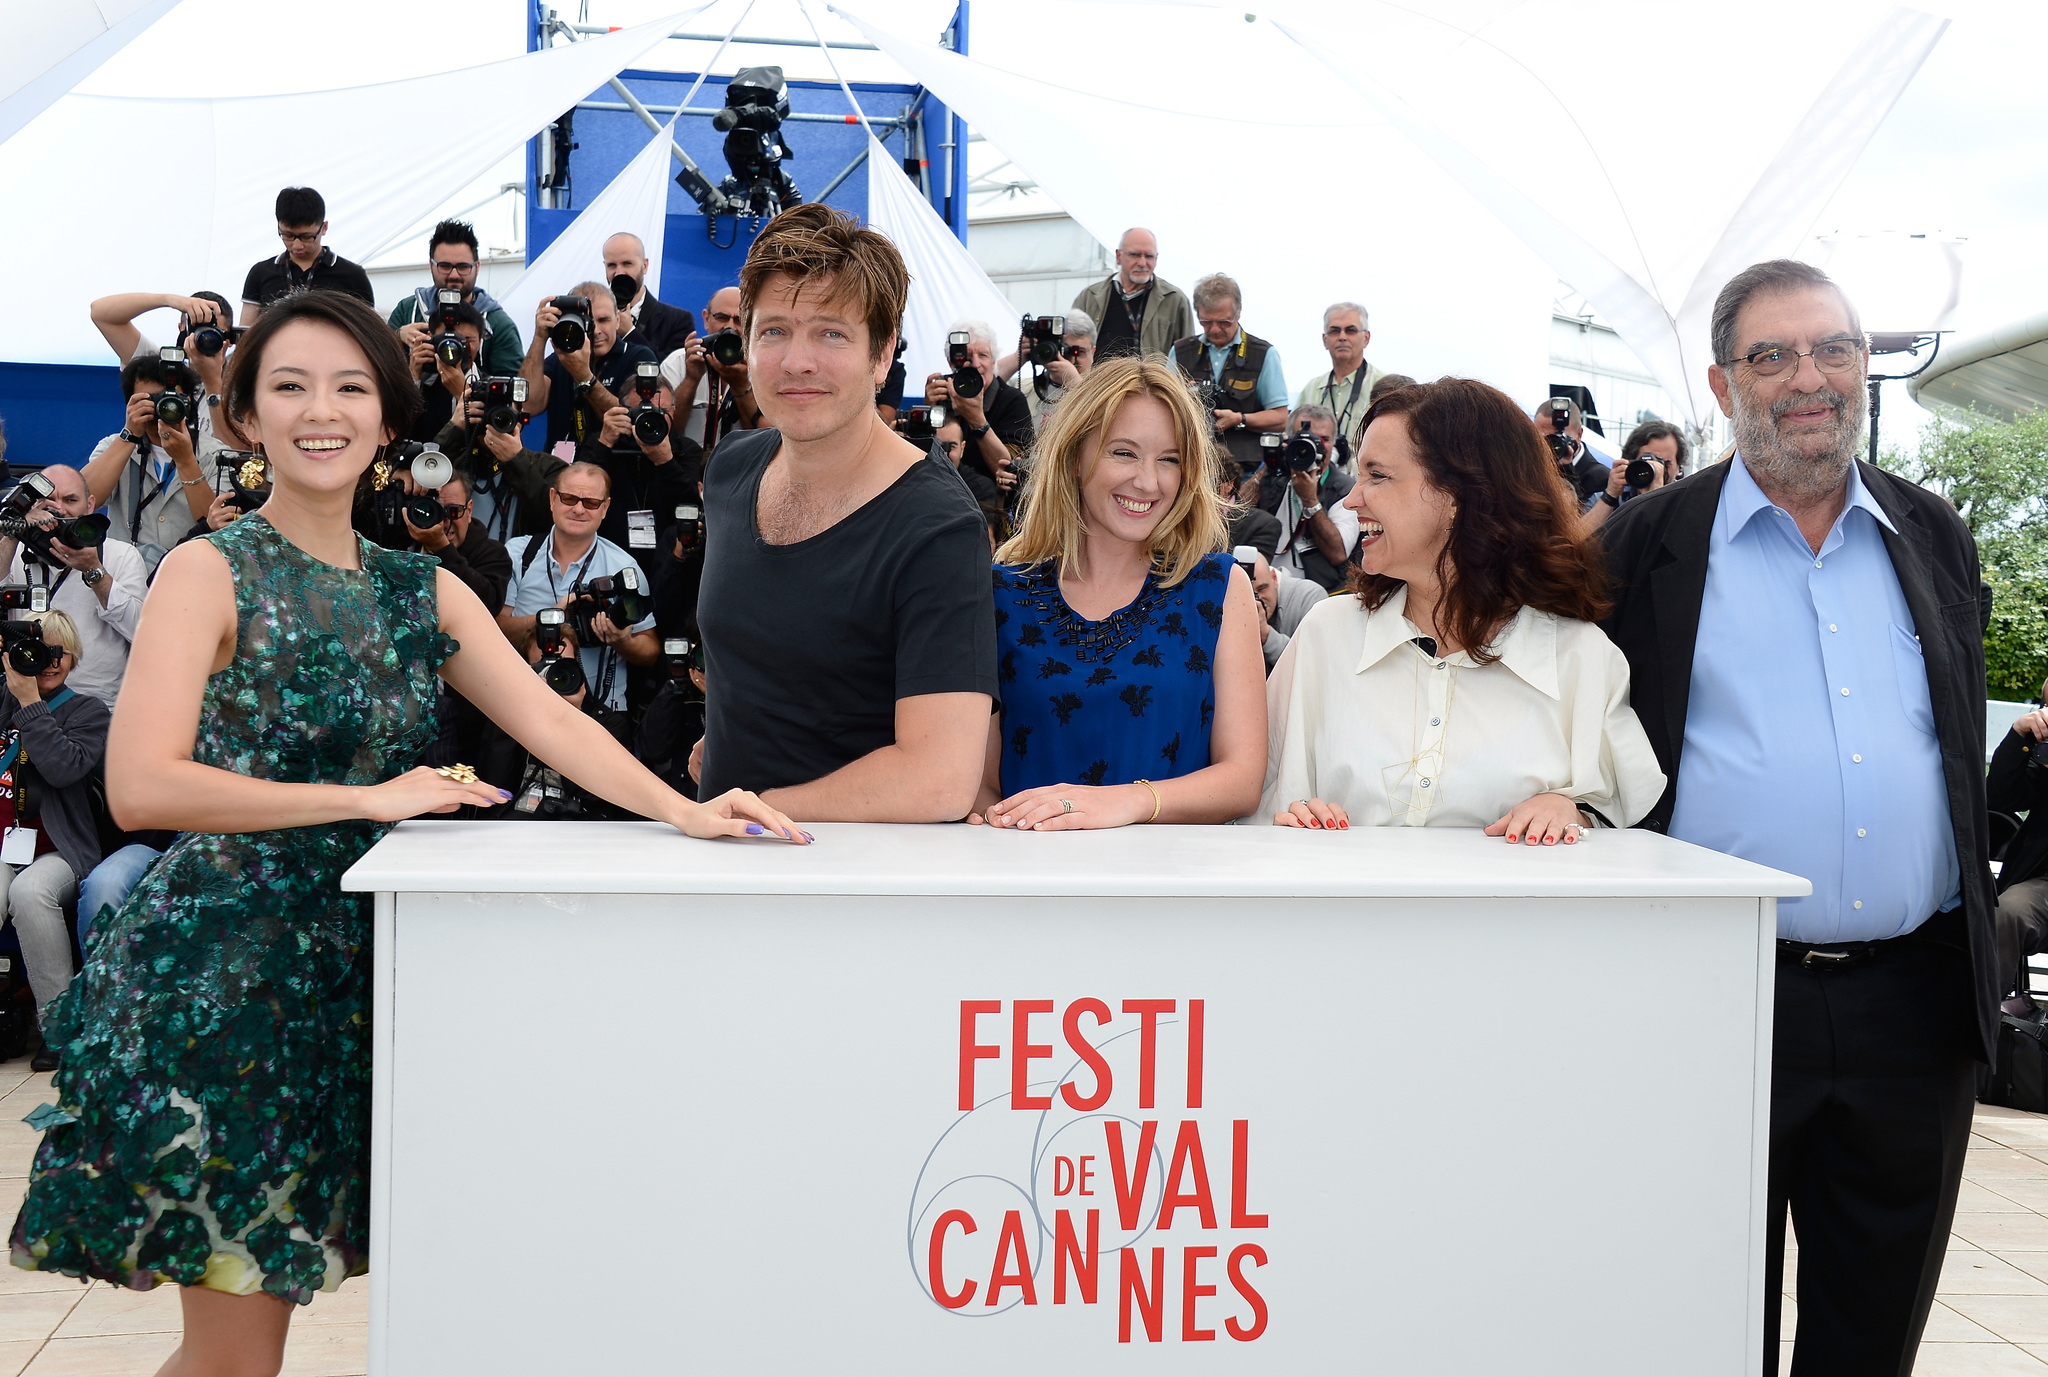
(1347, 389)
(507, 482)
(643, 316)
(1239, 372)
(589, 368)
(148, 475)
(452, 258)
(1052, 379)
(1283, 601)
(1652, 456)
(206, 332)
(98, 583)
(993, 415)
(445, 362)
(1317, 531)
(650, 468)
(1563, 427)
(710, 373)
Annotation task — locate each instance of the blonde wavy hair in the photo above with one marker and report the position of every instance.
(1050, 522)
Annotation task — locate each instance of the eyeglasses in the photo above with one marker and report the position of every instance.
(1829, 356)
(1226, 323)
(441, 267)
(452, 511)
(293, 237)
(1342, 330)
(595, 504)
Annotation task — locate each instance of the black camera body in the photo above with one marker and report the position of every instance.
(22, 637)
(248, 477)
(726, 347)
(79, 532)
(559, 665)
(1301, 452)
(1640, 474)
(1562, 447)
(449, 347)
(650, 422)
(677, 651)
(960, 359)
(616, 596)
(572, 331)
(920, 424)
(756, 104)
(1042, 338)
(174, 403)
(505, 404)
(689, 524)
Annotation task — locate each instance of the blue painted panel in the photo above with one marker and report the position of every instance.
(56, 412)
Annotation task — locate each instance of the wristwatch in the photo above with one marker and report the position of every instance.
(977, 432)
(1309, 513)
(91, 577)
(1610, 499)
(128, 437)
(583, 388)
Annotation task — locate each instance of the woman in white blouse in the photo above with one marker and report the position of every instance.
(1463, 682)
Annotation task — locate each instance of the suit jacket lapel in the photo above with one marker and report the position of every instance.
(1912, 554)
(1678, 581)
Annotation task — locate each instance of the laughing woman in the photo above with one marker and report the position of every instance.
(213, 1110)
(1464, 685)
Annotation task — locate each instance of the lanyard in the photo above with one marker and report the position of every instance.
(13, 751)
(1357, 382)
(548, 555)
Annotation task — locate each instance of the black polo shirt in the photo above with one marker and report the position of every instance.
(274, 279)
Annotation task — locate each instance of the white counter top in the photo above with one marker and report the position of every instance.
(866, 858)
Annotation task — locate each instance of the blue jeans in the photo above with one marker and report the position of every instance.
(108, 885)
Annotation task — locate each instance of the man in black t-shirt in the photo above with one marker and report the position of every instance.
(997, 419)
(306, 264)
(577, 388)
(846, 612)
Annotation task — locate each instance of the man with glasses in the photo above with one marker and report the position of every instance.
(452, 258)
(1136, 311)
(304, 265)
(1239, 372)
(721, 394)
(1805, 655)
(458, 541)
(1346, 390)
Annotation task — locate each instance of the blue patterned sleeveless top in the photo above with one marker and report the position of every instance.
(1129, 697)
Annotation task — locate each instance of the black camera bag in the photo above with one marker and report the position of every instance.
(2018, 1077)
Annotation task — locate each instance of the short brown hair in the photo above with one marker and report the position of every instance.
(814, 243)
(1515, 540)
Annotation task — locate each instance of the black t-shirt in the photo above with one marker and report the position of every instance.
(567, 420)
(807, 647)
(274, 279)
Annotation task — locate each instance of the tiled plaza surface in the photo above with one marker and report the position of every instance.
(1991, 1318)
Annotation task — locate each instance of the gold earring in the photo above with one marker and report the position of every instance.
(380, 471)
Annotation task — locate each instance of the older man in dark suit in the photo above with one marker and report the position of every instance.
(1806, 656)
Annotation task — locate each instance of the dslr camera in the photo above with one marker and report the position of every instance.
(22, 637)
(449, 347)
(79, 532)
(210, 339)
(1301, 452)
(1042, 338)
(1562, 447)
(391, 505)
(960, 359)
(617, 596)
(920, 424)
(1640, 474)
(689, 524)
(248, 477)
(650, 422)
(559, 665)
(726, 347)
(505, 404)
(572, 331)
(174, 403)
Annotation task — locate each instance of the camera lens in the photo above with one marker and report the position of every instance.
(650, 427)
(967, 382)
(171, 407)
(451, 350)
(503, 418)
(726, 347)
(1640, 475)
(567, 336)
(563, 676)
(209, 340)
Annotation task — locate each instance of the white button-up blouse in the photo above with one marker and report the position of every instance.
(1361, 715)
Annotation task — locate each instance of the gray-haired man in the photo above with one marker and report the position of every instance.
(1346, 390)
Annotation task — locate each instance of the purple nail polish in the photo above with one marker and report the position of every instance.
(754, 829)
(504, 797)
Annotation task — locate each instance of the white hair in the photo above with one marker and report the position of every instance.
(1079, 326)
(1346, 308)
(978, 332)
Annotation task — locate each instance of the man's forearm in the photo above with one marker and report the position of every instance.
(517, 629)
(1266, 420)
(641, 648)
(536, 376)
(994, 453)
(891, 784)
(102, 473)
(1594, 517)
(1323, 532)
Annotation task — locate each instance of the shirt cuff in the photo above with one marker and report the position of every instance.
(39, 708)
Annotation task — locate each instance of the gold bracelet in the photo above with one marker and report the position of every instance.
(1155, 800)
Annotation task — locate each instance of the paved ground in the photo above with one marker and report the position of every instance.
(1991, 1319)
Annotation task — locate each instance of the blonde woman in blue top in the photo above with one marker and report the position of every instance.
(1127, 642)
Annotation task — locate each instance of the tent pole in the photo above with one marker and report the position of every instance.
(844, 173)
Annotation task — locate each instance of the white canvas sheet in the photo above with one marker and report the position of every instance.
(52, 45)
(946, 284)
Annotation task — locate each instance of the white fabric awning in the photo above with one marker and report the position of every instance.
(2003, 372)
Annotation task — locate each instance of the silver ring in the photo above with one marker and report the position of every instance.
(1066, 805)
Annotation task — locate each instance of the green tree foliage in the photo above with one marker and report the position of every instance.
(1996, 473)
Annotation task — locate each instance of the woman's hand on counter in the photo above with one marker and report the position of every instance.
(1315, 815)
(1544, 820)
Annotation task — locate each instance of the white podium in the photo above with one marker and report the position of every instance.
(1165, 1099)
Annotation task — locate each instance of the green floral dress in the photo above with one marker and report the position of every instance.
(212, 1125)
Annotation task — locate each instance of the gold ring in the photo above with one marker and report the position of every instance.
(461, 774)
(1066, 805)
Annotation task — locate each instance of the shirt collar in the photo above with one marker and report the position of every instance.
(1527, 645)
(1742, 499)
(1235, 340)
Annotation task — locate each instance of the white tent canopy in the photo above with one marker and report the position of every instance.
(52, 45)
(946, 284)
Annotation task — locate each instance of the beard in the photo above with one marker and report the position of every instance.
(1780, 467)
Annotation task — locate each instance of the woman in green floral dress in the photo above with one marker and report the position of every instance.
(212, 1118)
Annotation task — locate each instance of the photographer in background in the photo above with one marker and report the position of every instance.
(2017, 783)
(659, 326)
(1076, 357)
(710, 373)
(1135, 311)
(648, 467)
(1317, 532)
(577, 385)
(100, 588)
(1283, 601)
(1238, 372)
(1348, 388)
(452, 258)
(444, 381)
(462, 547)
(554, 571)
(206, 332)
(507, 482)
(147, 475)
(1652, 456)
(1250, 526)
(304, 266)
(1562, 426)
(995, 419)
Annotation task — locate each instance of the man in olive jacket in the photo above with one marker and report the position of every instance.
(1136, 311)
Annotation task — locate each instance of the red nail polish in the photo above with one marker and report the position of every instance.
(1344, 826)
(1312, 822)
(1511, 839)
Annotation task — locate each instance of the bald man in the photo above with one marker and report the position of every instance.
(656, 324)
(99, 587)
(1136, 311)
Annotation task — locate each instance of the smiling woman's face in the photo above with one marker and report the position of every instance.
(1136, 473)
(317, 412)
(1403, 518)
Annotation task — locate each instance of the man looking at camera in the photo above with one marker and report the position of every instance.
(1136, 311)
(995, 420)
(461, 546)
(576, 388)
(452, 258)
(304, 265)
(720, 394)
(100, 589)
(1239, 372)
(1317, 531)
(846, 605)
(1346, 390)
(659, 326)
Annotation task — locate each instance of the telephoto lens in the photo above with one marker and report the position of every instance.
(726, 347)
(1640, 474)
(573, 329)
(451, 349)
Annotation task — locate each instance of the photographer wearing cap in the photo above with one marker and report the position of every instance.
(304, 266)
(1652, 456)
(1586, 475)
(1317, 531)
(642, 317)
(1283, 601)
(995, 419)
(1239, 373)
(452, 258)
(556, 570)
(650, 468)
(710, 372)
(1347, 390)
(100, 588)
(1135, 310)
(576, 386)
(147, 475)
(445, 373)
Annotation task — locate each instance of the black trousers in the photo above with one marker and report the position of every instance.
(1873, 1087)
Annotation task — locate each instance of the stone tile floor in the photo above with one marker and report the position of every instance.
(1991, 1317)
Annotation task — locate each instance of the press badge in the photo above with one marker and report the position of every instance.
(640, 530)
(18, 846)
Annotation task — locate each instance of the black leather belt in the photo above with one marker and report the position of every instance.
(1942, 930)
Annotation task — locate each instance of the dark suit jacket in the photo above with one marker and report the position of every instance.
(1657, 556)
(663, 327)
(2010, 787)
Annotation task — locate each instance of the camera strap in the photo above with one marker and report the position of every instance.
(1329, 397)
(13, 753)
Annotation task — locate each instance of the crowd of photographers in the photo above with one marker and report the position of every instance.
(592, 544)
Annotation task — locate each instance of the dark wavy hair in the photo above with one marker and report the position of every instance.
(397, 393)
(1515, 539)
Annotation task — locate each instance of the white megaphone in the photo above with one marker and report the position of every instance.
(430, 467)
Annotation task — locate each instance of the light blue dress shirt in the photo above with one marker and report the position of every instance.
(1809, 732)
(542, 585)
(1272, 388)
